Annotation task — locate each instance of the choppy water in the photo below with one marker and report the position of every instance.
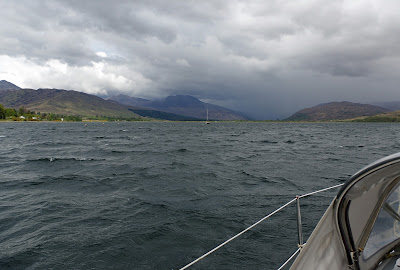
(158, 195)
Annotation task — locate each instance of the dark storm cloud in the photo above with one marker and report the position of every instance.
(264, 58)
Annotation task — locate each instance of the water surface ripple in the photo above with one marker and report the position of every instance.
(157, 195)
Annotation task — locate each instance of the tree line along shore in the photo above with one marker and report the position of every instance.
(23, 114)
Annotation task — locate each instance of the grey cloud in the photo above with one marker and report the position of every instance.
(34, 31)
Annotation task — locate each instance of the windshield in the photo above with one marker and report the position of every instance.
(387, 226)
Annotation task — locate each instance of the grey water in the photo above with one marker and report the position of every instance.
(158, 195)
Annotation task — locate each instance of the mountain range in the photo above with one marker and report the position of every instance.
(182, 105)
(178, 107)
(70, 102)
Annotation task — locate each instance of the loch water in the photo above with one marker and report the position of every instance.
(143, 195)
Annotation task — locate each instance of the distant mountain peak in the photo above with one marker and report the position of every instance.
(5, 85)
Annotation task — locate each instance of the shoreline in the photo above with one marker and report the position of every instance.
(215, 122)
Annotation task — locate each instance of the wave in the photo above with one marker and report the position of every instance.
(352, 146)
(55, 159)
(169, 151)
(268, 141)
(119, 151)
(177, 164)
(52, 143)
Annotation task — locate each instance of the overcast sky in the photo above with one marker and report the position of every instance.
(266, 58)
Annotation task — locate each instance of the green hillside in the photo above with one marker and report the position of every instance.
(383, 117)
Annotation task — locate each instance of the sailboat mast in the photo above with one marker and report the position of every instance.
(207, 122)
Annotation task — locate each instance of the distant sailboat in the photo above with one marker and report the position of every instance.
(207, 122)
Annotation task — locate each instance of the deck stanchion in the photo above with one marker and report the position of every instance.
(299, 224)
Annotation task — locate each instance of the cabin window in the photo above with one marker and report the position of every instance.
(387, 226)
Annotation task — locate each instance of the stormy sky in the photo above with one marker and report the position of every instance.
(267, 59)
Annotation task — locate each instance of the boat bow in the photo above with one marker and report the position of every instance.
(361, 228)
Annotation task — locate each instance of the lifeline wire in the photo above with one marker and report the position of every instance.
(255, 224)
(321, 190)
